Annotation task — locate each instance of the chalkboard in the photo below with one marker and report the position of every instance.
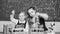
(51, 7)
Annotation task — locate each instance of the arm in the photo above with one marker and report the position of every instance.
(12, 17)
(44, 15)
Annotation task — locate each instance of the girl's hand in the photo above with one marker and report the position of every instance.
(13, 12)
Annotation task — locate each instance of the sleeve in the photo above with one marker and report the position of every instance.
(44, 15)
(13, 19)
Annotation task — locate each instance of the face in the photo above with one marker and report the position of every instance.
(22, 16)
(31, 12)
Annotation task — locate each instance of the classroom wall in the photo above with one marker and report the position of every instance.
(57, 26)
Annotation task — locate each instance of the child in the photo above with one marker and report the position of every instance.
(36, 19)
(22, 21)
(33, 14)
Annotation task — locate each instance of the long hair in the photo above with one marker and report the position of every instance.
(29, 15)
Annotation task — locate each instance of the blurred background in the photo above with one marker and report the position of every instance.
(51, 7)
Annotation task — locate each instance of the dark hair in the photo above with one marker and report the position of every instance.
(29, 15)
(32, 8)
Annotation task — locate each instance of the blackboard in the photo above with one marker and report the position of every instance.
(51, 7)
